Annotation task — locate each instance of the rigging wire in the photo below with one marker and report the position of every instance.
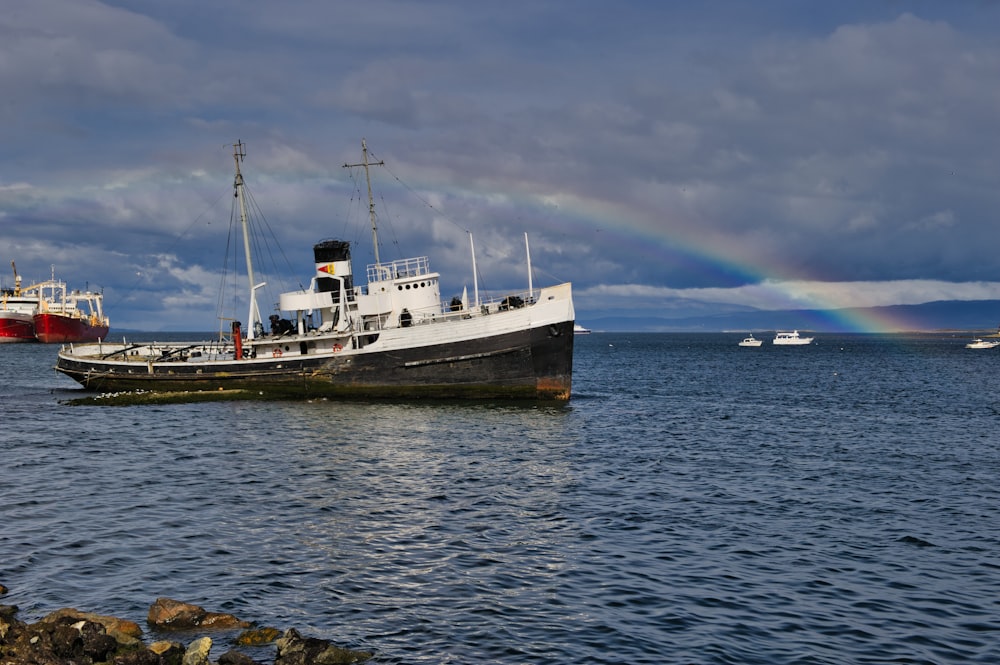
(355, 212)
(264, 246)
(430, 206)
(382, 222)
(420, 198)
(268, 238)
(220, 307)
(392, 229)
(122, 297)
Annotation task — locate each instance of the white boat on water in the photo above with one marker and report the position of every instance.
(751, 341)
(394, 338)
(580, 330)
(980, 343)
(791, 339)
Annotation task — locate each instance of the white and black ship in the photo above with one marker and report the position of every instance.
(392, 338)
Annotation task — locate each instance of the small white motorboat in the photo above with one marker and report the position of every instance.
(980, 343)
(751, 341)
(791, 339)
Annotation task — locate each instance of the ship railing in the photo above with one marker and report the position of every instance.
(449, 310)
(142, 352)
(413, 267)
(488, 304)
(494, 303)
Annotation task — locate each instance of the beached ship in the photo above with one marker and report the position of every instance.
(393, 338)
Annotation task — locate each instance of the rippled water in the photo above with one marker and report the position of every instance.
(695, 503)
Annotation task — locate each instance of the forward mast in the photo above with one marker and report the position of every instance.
(371, 200)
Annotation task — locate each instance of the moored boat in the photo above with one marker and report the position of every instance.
(16, 327)
(751, 341)
(69, 316)
(48, 312)
(791, 339)
(393, 338)
(17, 311)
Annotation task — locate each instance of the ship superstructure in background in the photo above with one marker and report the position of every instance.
(51, 313)
(66, 315)
(17, 312)
(392, 338)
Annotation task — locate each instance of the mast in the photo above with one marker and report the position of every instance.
(239, 152)
(371, 201)
(475, 271)
(527, 251)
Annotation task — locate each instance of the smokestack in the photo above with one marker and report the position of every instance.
(333, 259)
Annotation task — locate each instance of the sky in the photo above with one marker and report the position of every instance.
(662, 156)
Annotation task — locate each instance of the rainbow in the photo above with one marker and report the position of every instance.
(716, 260)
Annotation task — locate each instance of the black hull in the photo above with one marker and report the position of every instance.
(534, 364)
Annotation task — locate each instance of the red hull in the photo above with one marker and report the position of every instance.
(16, 329)
(58, 329)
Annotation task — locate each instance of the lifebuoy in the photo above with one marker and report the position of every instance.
(337, 348)
(276, 353)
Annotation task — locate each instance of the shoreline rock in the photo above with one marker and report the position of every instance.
(71, 637)
(170, 614)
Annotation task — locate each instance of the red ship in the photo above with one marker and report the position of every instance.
(17, 311)
(50, 313)
(15, 326)
(69, 316)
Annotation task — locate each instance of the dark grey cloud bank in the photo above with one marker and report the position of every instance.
(835, 154)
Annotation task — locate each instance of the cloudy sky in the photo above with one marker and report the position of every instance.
(659, 155)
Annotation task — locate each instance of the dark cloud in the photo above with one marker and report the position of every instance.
(647, 148)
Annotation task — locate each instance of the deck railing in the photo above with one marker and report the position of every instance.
(379, 272)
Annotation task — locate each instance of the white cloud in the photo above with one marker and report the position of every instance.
(780, 295)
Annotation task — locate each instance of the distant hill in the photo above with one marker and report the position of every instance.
(972, 315)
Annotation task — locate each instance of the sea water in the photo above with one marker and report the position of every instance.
(695, 502)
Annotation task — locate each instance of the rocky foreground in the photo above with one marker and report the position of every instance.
(71, 637)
